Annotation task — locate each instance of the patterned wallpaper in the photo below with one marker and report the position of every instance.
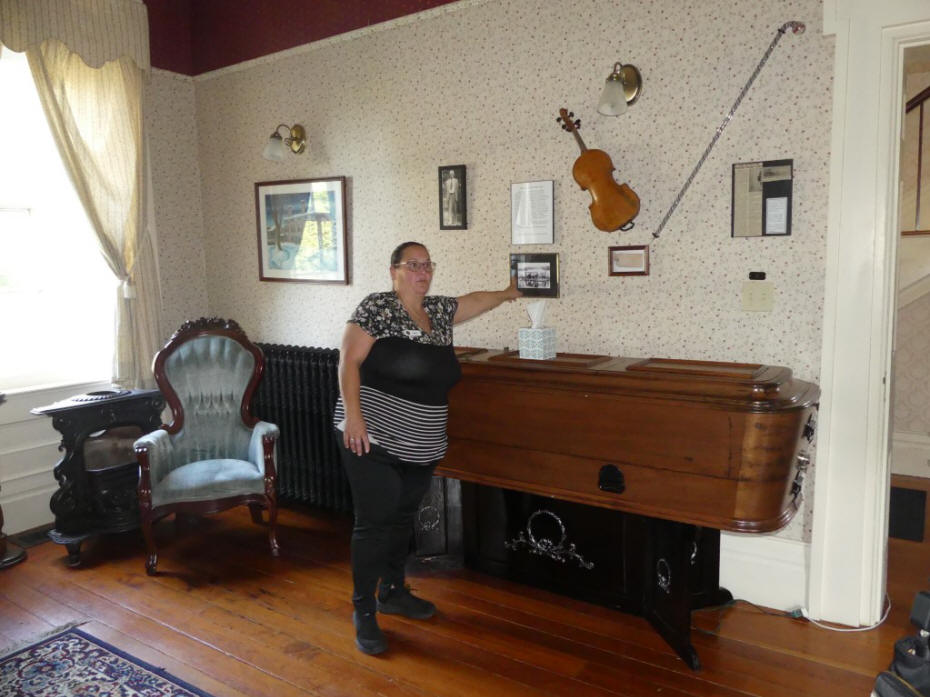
(480, 84)
(911, 374)
(172, 136)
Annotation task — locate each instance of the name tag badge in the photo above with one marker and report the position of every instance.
(412, 333)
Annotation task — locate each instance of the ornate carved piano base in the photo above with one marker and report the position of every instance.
(658, 569)
(668, 568)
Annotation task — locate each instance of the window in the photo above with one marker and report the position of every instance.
(57, 293)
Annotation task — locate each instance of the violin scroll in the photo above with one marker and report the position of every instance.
(565, 118)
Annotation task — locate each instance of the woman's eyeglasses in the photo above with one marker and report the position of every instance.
(415, 266)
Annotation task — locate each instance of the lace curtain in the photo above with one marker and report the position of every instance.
(89, 60)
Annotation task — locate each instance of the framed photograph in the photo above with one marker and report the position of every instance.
(628, 261)
(537, 274)
(531, 213)
(452, 198)
(761, 198)
(302, 230)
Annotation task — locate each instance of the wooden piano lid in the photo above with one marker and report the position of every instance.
(658, 377)
(740, 371)
(561, 360)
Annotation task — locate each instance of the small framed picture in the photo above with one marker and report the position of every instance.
(537, 274)
(452, 198)
(628, 261)
(302, 231)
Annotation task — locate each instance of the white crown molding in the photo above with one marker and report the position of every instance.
(179, 77)
(423, 16)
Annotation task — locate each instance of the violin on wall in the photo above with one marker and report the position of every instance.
(613, 205)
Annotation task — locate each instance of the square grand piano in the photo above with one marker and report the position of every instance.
(682, 449)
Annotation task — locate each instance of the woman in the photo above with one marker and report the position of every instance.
(396, 367)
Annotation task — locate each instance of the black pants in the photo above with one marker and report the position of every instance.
(386, 494)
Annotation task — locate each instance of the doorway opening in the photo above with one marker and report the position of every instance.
(909, 503)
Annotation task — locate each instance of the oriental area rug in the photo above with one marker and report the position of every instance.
(72, 663)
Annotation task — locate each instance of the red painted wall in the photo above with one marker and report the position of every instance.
(170, 35)
(196, 36)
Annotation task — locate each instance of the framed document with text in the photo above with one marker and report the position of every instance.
(531, 213)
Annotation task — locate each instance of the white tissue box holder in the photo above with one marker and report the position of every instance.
(536, 343)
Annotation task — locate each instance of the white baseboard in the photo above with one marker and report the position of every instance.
(765, 569)
(910, 454)
(28, 455)
(28, 511)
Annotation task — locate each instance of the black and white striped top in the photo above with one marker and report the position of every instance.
(406, 377)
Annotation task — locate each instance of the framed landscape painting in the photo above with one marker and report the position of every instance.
(302, 231)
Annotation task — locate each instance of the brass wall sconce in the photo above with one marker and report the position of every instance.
(622, 88)
(277, 147)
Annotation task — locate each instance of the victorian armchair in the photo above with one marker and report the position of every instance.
(214, 454)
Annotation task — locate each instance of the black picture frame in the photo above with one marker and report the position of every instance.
(453, 198)
(537, 274)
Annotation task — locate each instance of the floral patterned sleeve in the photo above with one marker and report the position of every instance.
(447, 305)
(376, 315)
(381, 315)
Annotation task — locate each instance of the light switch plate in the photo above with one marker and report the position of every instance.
(758, 296)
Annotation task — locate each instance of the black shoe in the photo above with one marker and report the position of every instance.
(398, 600)
(890, 685)
(912, 663)
(368, 635)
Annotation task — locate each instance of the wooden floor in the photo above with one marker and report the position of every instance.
(230, 619)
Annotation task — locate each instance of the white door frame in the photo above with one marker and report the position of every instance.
(850, 529)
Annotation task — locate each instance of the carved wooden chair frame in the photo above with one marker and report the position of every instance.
(256, 502)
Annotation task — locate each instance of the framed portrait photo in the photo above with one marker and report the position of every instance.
(302, 231)
(537, 274)
(452, 199)
(628, 261)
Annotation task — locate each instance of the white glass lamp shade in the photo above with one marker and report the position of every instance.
(613, 98)
(275, 150)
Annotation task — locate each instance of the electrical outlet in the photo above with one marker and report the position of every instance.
(758, 296)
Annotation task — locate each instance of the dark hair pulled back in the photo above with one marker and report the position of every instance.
(399, 251)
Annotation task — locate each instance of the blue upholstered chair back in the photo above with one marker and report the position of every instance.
(210, 375)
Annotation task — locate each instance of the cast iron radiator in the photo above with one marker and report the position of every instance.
(298, 393)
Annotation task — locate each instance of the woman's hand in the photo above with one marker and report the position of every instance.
(355, 436)
(511, 292)
(356, 344)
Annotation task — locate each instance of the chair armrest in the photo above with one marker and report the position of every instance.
(159, 450)
(260, 431)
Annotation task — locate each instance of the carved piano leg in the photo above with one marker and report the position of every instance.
(705, 570)
(666, 557)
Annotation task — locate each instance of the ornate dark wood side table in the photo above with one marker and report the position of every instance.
(10, 553)
(98, 474)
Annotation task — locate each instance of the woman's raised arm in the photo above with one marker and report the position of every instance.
(479, 302)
